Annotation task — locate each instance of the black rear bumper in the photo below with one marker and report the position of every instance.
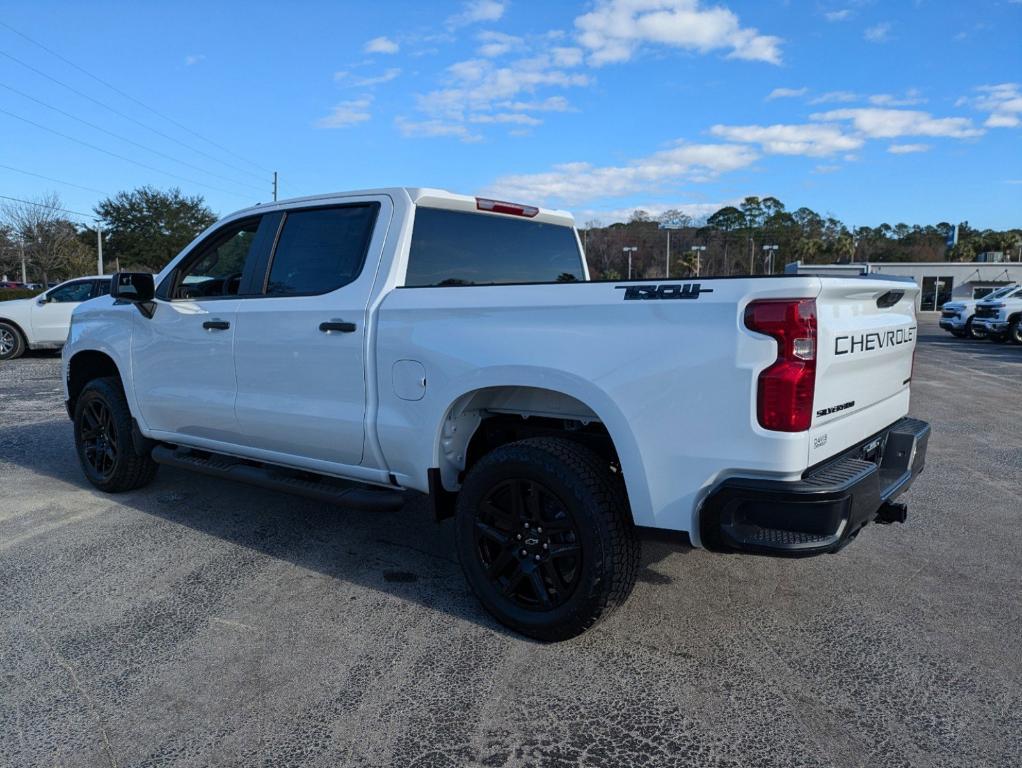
(826, 508)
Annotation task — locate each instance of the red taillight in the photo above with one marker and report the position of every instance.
(786, 388)
(499, 206)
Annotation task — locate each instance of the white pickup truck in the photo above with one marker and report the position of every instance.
(360, 346)
(959, 317)
(1001, 316)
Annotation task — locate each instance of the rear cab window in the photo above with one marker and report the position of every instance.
(451, 248)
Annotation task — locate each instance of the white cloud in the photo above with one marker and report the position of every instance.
(834, 96)
(519, 118)
(811, 140)
(616, 29)
(475, 11)
(381, 45)
(877, 123)
(194, 58)
(841, 15)
(435, 128)
(910, 98)
(348, 80)
(549, 104)
(698, 211)
(497, 43)
(572, 183)
(786, 93)
(346, 114)
(1003, 101)
(878, 33)
(479, 85)
(822, 169)
(907, 149)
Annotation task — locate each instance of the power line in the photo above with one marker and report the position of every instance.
(51, 207)
(119, 157)
(117, 112)
(128, 96)
(246, 184)
(50, 178)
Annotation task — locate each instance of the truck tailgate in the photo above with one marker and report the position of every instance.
(866, 341)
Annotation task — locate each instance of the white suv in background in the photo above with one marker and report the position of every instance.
(957, 317)
(42, 322)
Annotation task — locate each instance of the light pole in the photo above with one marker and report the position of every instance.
(768, 255)
(669, 224)
(630, 249)
(99, 248)
(698, 251)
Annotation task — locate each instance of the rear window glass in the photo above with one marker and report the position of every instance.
(321, 250)
(461, 248)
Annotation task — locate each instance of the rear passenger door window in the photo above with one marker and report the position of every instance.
(320, 250)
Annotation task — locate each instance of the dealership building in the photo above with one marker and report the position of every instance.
(940, 281)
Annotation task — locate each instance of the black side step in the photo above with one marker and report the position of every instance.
(321, 488)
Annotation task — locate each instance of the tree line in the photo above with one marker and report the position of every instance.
(142, 230)
(145, 228)
(731, 242)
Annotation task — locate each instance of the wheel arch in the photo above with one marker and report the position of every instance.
(17, 327)
(85, 366)
(482, 418)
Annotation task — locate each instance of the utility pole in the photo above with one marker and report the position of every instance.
(24, 272)
(99, 248)
(630, 249)
(670, 224)
(768, 253)
(274, 186)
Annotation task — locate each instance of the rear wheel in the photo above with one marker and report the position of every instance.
(104, 439)
(974, 331)
(545, 537)
(12, 343)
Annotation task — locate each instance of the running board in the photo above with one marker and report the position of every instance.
(319, 487)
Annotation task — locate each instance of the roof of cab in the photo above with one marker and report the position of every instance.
(424, 196)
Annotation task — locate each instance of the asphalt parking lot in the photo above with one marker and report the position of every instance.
(198, 622)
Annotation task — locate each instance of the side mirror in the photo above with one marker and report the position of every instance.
(134, 287)
(42, 301)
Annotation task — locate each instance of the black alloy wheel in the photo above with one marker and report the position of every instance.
(528, 543)
(99, 438)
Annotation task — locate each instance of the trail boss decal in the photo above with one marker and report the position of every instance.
(668, 291)
(859, 342)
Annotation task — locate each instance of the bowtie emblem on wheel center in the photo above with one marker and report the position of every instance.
(531, 542)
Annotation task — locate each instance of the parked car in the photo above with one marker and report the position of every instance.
(12, 284)
(957, 316)
(357, 346)
(1001, 318)
(42, 322)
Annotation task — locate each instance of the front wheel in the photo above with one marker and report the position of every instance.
(1015, 331)
(104, 439)
(974, 331)
(12, 343)
(545, 537)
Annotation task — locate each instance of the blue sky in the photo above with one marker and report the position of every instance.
(871, 111)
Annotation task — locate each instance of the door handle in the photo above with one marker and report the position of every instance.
(337, 325)
(216, 325)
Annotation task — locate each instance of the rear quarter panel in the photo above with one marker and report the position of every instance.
(673, 380)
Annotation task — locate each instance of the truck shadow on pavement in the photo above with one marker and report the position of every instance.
(405, 553)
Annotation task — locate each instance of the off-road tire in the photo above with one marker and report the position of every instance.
(12, 343)
(129, 468)
(576, 482)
